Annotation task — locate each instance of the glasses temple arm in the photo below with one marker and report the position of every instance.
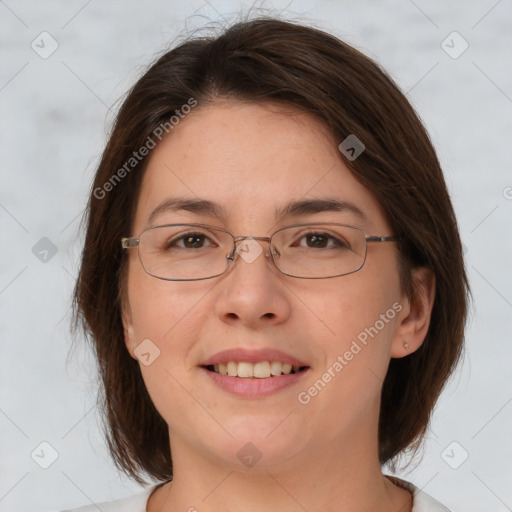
(127, 243)
(383, 239)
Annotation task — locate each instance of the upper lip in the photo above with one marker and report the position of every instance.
(252, 356)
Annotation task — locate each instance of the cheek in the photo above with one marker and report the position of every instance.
(169, 318)
(348, 381)
(165, 316)
(161, 308)
(361, 313)
(350, 304)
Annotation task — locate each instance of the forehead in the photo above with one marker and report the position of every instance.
(251, 160)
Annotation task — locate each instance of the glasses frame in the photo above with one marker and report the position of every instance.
(134, 241)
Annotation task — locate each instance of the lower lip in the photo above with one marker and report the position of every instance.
(254, 387)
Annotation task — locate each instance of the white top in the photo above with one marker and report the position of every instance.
(422, 502)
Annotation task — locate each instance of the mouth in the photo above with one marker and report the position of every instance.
(259, 370)
(254, 373)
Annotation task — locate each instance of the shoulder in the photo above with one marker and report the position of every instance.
(422, 502)
(135, 503)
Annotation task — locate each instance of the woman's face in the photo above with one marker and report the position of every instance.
(252, 161)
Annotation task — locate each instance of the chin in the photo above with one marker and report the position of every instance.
(255, 448)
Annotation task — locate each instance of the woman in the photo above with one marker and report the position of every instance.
(272, 278)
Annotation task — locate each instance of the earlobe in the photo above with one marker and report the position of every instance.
(413, 328)
(128, 329)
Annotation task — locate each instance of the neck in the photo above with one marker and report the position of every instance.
(346, 477)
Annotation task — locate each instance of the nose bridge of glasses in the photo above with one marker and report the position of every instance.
(254, 240)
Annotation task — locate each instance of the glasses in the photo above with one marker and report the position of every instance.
(190, 252)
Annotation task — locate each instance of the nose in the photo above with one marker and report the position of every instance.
(252, 292)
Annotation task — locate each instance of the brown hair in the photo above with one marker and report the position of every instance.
(259, 61)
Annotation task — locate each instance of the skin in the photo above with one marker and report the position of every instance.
(252, 158)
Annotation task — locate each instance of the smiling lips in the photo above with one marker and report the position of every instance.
(260, 370)
(259, 364)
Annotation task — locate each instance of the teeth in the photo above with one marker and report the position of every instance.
(276, 368)
(232, 369)
(261, 370)
(245, 370)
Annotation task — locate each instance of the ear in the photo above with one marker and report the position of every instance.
(415, 315)
(129, 331)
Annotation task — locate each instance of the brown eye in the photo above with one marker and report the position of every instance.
(189, 241)
(321, 241)
(193, 241)
(317, 240)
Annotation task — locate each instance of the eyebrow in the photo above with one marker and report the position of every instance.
(199, 206)
(291, 209)
(312, 206)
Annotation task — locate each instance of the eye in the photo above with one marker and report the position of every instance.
(321, 240)
(190, 241)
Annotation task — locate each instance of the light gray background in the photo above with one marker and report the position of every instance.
(55, 113)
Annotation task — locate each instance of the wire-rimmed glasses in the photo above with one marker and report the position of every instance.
(190, 252)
